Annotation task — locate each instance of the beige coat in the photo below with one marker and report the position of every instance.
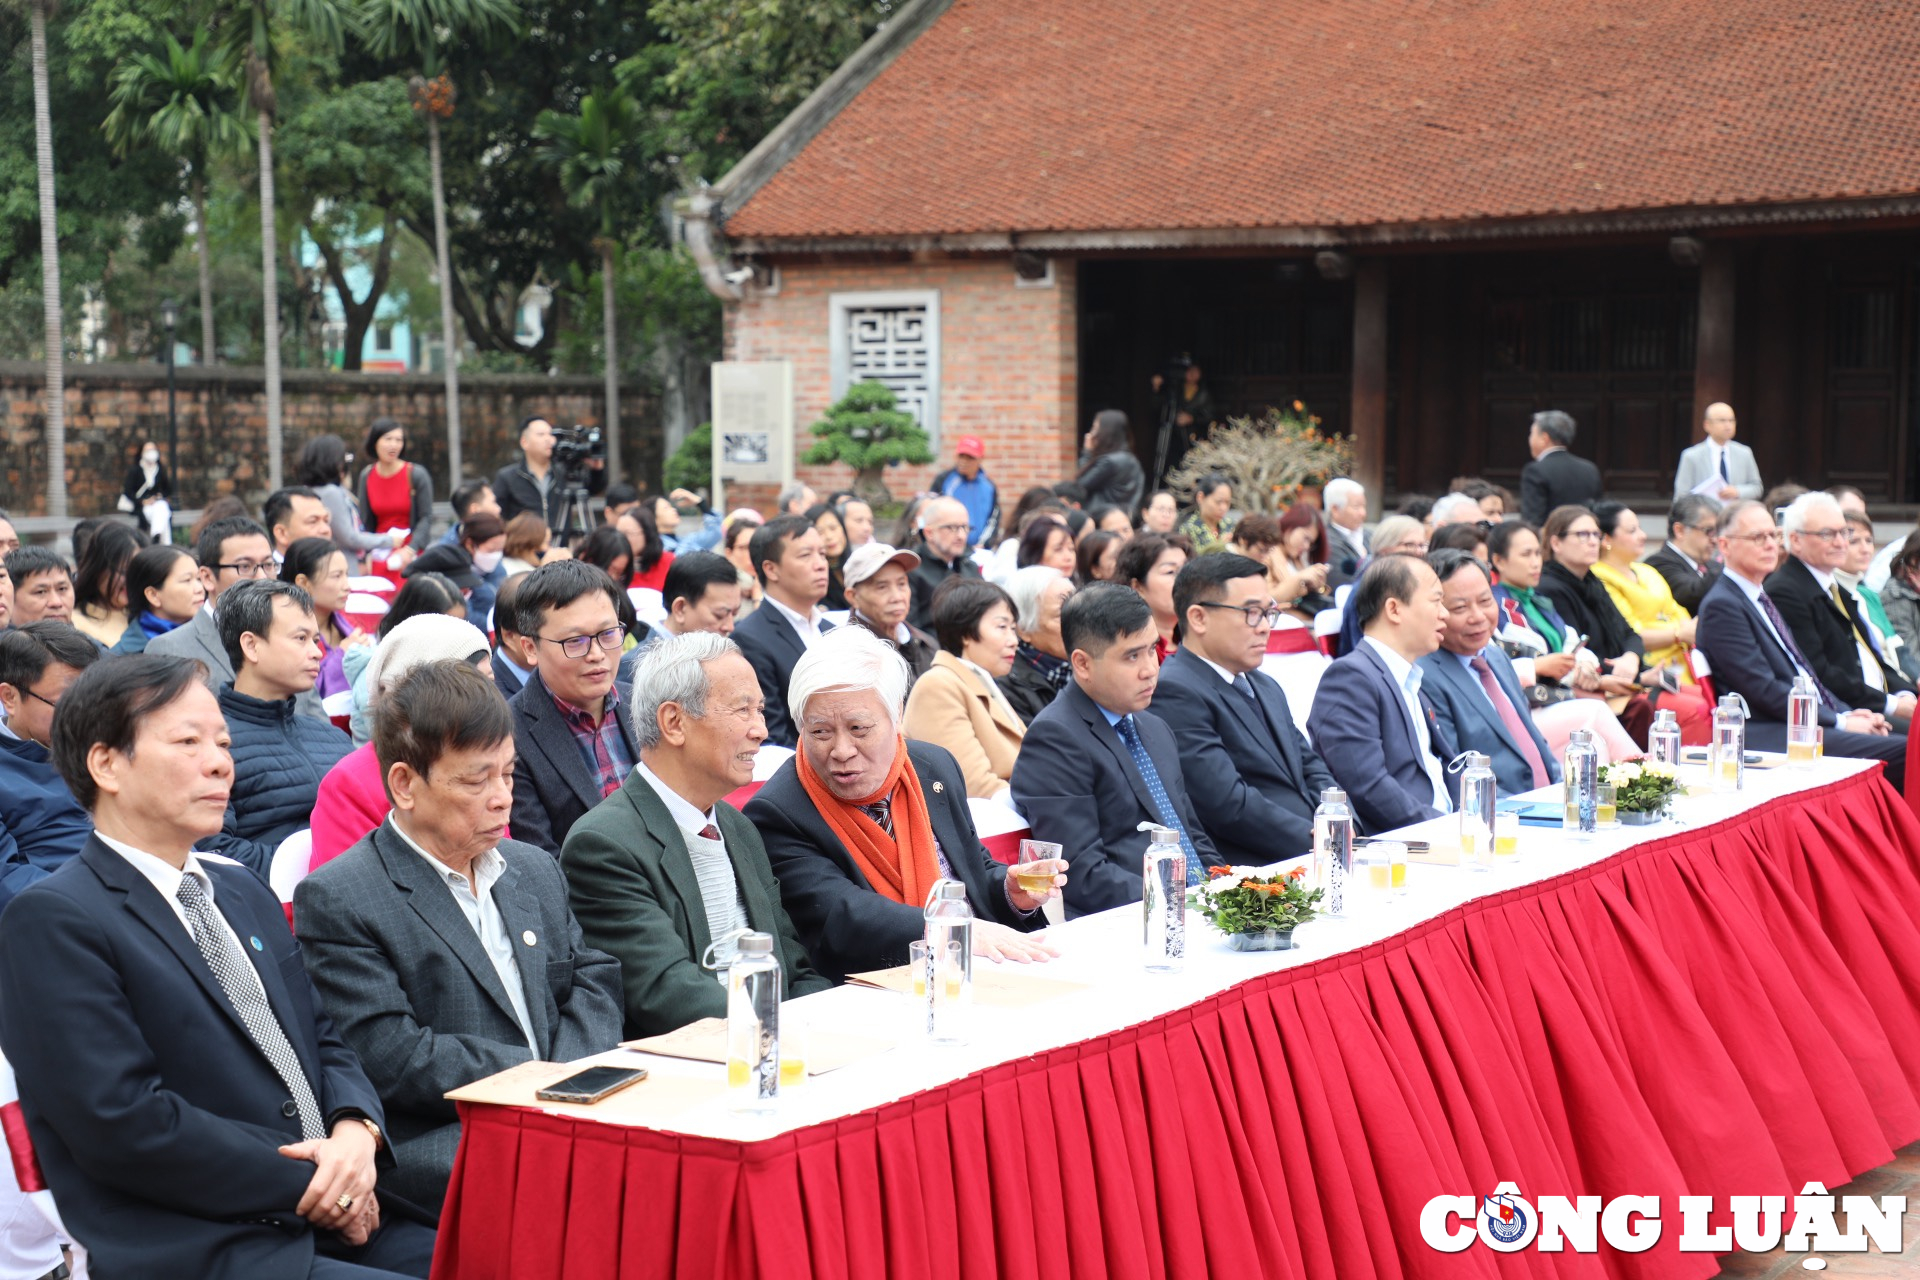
(949, 708)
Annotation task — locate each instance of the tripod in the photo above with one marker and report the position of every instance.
(1169, 409)
(576, 519)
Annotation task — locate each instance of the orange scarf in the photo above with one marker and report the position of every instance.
(901, 866)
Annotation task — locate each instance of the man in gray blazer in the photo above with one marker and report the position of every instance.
(666, 868)
(230, 551)
(1718, 458)
(1475, 694)
(442, 951)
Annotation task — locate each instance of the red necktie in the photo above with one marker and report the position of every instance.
(1516, 730)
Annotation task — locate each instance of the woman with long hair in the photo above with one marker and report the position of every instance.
(651, 559)
(610, 549)
(318, 567)
(1148, 563)
(395, 494)
(324, 466)
(835, 544)
(1108, 470)
(164, 591)
(100, 583)
(1639, 592)
(469, 561)
(1098, 553)
(1303, 556)
(739, 533)
(1212, 517)
(1046, 541)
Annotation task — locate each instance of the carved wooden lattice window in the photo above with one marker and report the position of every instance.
(891, 338)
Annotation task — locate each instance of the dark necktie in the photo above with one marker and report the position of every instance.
(1516, 728)
(1832, 703)
(1724, 477)
(1168, 816)
(710, 832)
(1245, 686)
(881, 811)
(241, 982)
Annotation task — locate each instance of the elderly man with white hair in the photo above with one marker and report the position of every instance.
(1457, 508)
(664, 870)
(1346, 506)
(1824, 618)
(861, 823)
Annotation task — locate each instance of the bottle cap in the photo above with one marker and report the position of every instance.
(1582, 736)
(756, 944)
(1661, 719)
(1333, 795)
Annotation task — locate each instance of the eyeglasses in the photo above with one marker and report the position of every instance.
(947, 528)
(577, 646)
(51, 702)
(1708, 529)
(250, 568)
(1769, 535)
(1253, 613)
(1825, 535)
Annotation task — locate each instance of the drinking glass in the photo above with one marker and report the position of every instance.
(1506, 836)
(1034, 851)
(793, 1048)
(1607, 818)
(917, 962)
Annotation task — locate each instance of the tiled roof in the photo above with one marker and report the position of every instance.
(1116, 115)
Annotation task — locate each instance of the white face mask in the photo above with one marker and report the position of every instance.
(487, 561)
(150, 456)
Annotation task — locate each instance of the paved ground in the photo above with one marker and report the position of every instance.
(1901, 1177)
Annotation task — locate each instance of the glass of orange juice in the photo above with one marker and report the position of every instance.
(793, 1048)
(917, 963)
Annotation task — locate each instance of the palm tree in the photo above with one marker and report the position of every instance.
(49, 270)
(591, 150)
(177, 101)
(247, 31)
(418, 28)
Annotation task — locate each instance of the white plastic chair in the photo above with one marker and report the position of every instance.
(1298, 675)
(768, 759)
(290, 862)
(363, 602)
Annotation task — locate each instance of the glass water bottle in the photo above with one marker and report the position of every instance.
(1479, 793)
(1663, 741)
(1333, 850)
(1163, 900)
(753, 1025)
(949, 923)
(1729, 763)
(1803, 723)
(1580, 773)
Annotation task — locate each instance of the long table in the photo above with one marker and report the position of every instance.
(1725, 1007)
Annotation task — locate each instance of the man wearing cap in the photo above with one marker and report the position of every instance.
(879, 594)
(966, 483)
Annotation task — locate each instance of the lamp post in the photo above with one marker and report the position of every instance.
(170, 319)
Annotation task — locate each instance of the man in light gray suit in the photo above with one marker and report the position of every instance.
(230, 551)
(1718, 458)
(443, 951)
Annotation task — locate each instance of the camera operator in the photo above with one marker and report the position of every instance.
(1186, 413)
(538, 485)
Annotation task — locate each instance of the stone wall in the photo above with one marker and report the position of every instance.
(221, 413)
(1009, 361)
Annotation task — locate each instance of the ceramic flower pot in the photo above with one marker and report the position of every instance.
(1265, 940)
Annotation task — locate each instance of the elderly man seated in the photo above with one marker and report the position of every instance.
(442, 951)
(861, 823)
(665, 869)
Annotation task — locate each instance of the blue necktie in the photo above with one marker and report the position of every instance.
(1169, 817)
(1724, 477)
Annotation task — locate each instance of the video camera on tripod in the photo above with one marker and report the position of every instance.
(573, 448)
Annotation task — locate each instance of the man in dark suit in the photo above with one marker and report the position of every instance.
(511, 665)
(1823, 617)
(1557, 477)
(1346, 503)
(858, 836)
(1686, 560)
(443, 952)
(1096, 764)
(943, 554)
(192, 1107)
(1372, 723)
(571, 710)
(1753, 651)
(1471, 685)
(792, 569)
(665, 869)
(1253, 777)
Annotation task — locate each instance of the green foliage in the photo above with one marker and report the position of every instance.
(180, 99)
(592, 151)
(1254, 904)
(417, 30)
(865, 431)
(691, 466)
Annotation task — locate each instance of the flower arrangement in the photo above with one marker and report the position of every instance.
(1269, 459)
(1641, 785)
(1236, 902)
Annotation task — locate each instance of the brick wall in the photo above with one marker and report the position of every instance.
(221, 411)
(1009, 361)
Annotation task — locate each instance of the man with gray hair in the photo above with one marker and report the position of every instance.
(1346, 505)
(1824, 619)
(796, 498)
(664, 869)
(1556, 477)
(1457, 508)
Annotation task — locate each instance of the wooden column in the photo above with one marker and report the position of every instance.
(1368, 408)
(1713, 342)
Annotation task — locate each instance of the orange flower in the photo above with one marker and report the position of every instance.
(1298, 873)
(1214, 873)
(1297, 406)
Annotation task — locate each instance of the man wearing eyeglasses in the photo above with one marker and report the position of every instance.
(1754, 653)
(230, 551)
(572, 732)
(943, 553)
(1686, 561)
(1254, 778)
(1825, 620)
(41, 824)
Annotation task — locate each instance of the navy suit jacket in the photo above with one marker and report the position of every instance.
(1471, 724)
(773, 646)
(1253, 777)
(1743, 654)
(155, 1116)
(1077, 784)
(1359, 723)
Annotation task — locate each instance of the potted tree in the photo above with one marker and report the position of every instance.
(864, 430)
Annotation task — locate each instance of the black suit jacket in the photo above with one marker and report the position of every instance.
(154, 1115)
(1077, 785)
(1254, 779)
(844, 924)
(504, 678)
(773, 647)
(1359, 723)
(1825, 637)
(1688, 584)
(1558, 479)
(552, 786)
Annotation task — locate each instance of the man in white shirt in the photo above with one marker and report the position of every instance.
(1719, 467)
(665, 874)
(155, 1010)
(792, 567)
(443, 950)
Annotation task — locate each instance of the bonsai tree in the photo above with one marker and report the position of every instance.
(864, 430)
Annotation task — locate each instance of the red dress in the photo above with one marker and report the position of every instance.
(658, 578)
(391, 498)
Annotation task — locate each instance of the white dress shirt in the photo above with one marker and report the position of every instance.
(1869, 662)
(475, 898)
(1407, 676)
(712, 868)
(166, 878)
(806, 626)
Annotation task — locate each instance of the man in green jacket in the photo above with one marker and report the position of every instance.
(663, 869)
